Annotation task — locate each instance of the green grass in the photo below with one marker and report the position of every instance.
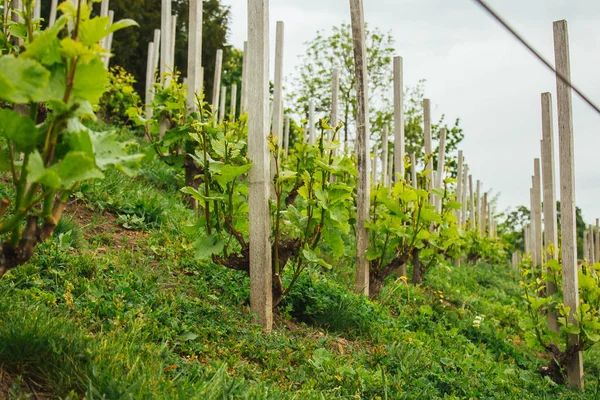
(147, 321)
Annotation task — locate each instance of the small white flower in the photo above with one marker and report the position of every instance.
(477, 321)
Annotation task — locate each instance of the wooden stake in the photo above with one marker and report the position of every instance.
(440, 168)
(459, 186)
(286, 143)
(398, 119)
(149, 79)
(217, 83)
(549, 209)
(194, 53)
(312, 136)
(278, 94)
(483, 215)
(413, 170)
(223, 100)
(537, 212)
(464, 198)
(244, 100)
(165, 40)
(37, 9)
(478, 206)
(109, 39)
(233, 101)
(261, 298)
(384, 155)
(472, 213)
(567, 193)
(53, 7)
(362, 145)
(427, 135)
(374, 169)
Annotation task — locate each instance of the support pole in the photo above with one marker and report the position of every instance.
(312, 136)
(217, 83)
(278, 94)
(472, 213)
(362, 145)
(439, 177)
(261, 299)
(459, 186)
(233, 101)
(398, 119)
(567, 193)
(427, 136)
(165, 40)
(286, 142)
(194, 53)
(244, 99)
(222, 105)
(413, 170)
(384, 156)
(53, 7)
(537, 212)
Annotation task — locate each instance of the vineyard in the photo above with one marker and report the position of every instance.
(196, 232)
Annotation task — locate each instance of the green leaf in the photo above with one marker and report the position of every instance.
(77, 166)
(188, 336)
(18, 129)
(93, 30)
(111, 153)
(373, 253)
(312, 258)
(38, 173)
(205, 247)
(45, 47)
(21, 79)
(334, 239)
(228, 173)
(430, 215)
(90, 81)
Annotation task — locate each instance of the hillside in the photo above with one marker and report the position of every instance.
(115, 306)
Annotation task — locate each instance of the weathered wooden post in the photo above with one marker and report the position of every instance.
(384, 156)
(109, 39)
(549, 209)
(464, 198)
(259, 187)
(483, 210)
(586, 249)
(335, 97)
(362, 145)
(278, 94)
(374, 168)
(217, 83)
(149, 79)
(527, 235)
(54, 5)
(222, 104)
(233, 101)
(173, 37)
(567, 193)
(472, 220)
(194, 53)
(427, 138)
(413, 169)
(478, 206)
(244, 95)
(165, 40)
(286, 142)
(312, 136)
(439, 177)
(37, 9)
(537, 212)
(597, 239)
(399, 120)
(459, 178)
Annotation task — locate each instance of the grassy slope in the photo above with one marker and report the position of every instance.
(104, 312)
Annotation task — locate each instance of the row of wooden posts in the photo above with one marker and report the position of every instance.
(541, 234)
(264, 119)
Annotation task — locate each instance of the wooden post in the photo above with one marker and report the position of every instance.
(427, 135)
(156, 61)
(278, 94)
(472, 213)
(109, 38)
(597, 239)
(464, 198)
(312, 136)
(592, 246)
(261, 298)
(173, 36)
(375, 156)
(149, 79)
(478, 206)
(459, 178)
(217, 83)
(567, 193)
(233, 100)
(286, 142)
(398, 119)
(165, 40)
(384, 156)
(483, 215)
(362, 145)
(440, 168)
(586, 250)
(223, 100)
(537, 212)
(194, 53)
(37, 9)
(335, 97)
(54, 5)
(413, 170)
(549, 209)
(244, 99)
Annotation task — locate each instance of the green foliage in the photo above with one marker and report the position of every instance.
(52, 82)
(485, 249)
(119, 97)
(584, 321)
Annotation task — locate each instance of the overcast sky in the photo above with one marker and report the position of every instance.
(477, 72)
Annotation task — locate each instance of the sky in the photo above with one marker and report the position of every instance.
(477, 72)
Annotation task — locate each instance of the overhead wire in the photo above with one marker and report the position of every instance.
(520, 38)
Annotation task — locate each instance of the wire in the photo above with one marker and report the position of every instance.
(564, 79)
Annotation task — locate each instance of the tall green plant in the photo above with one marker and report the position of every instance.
(59, 70)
